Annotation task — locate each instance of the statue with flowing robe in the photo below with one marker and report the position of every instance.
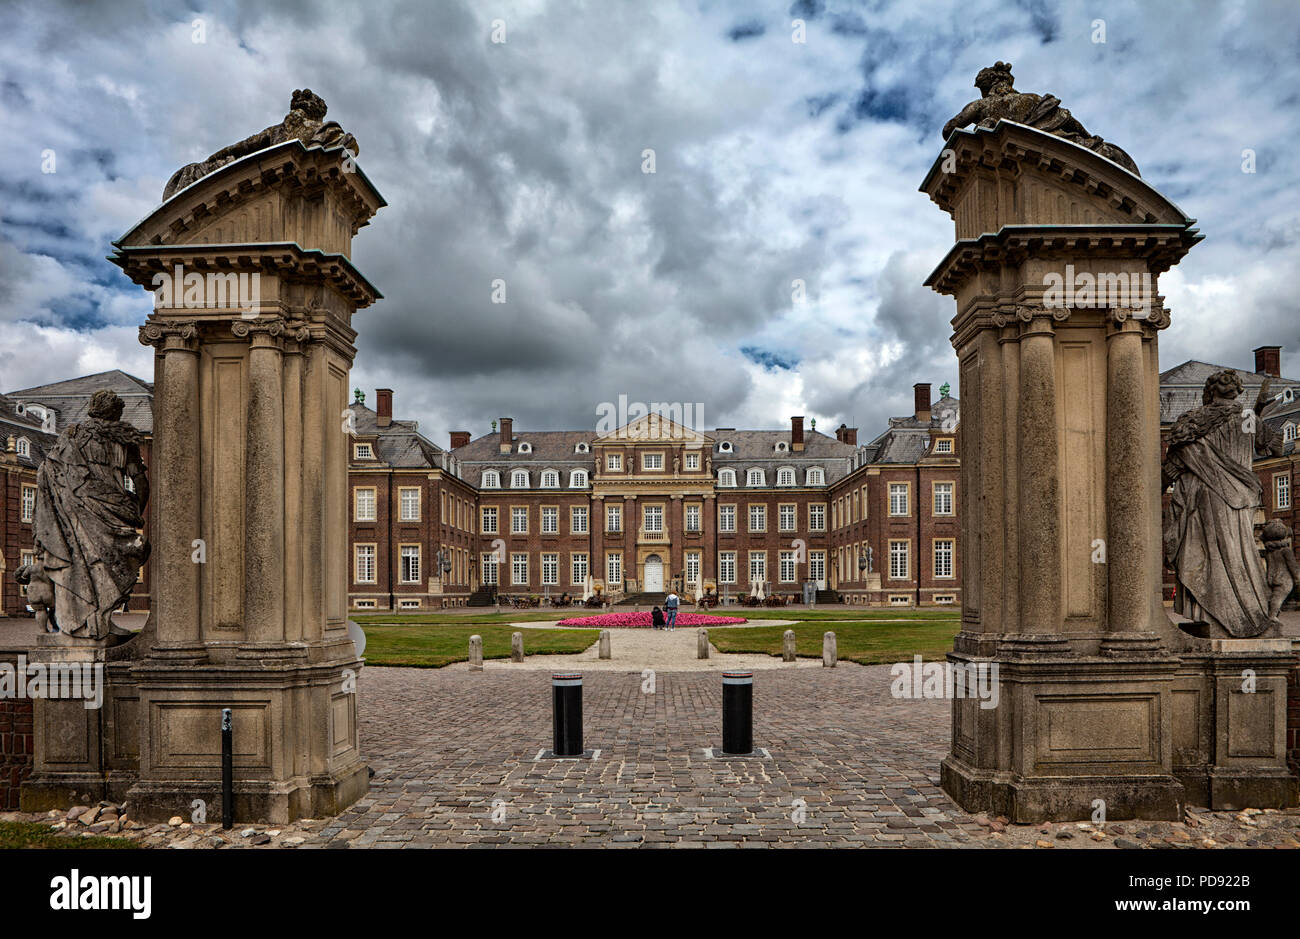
(90, 499)
(1209, 525)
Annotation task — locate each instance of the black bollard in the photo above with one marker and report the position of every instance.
(227, 771)
(738, 712)
(566, 690)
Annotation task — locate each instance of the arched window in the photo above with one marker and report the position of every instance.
(785, 476)
(550, 479)
(519, 479)
(816, 476)
(491, 479)
(726, 477)
(24, 447)
(755, 477)
(578, 479)
(1288, 431)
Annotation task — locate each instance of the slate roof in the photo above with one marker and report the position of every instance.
(23, 425)
(398, 445)
(907, 440)
(70, 399)
(551, 447)
(1181, 386)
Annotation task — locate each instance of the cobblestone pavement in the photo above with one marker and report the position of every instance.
(447, 747)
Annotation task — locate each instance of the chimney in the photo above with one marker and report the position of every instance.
(1268, 361)
(921, 400)
(507, 433)
(459, 438)
(384, 406)
(851, 436)
(796, 434)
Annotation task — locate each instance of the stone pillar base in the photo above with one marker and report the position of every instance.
(1027, 801)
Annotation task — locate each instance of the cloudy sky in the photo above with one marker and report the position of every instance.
(522, 160)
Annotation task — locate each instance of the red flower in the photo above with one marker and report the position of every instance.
(643, 621)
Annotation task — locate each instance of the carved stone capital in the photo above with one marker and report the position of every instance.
(156, 332)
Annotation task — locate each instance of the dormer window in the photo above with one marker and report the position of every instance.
(525, 448)
(491, 479)
(1288, 431)
(578, 479)
(581, 448)
(943, 445)
(24, 447)
(724, 447)
(785, 476)
(550, 479)
(363, 451)
(782, 446)
(755, 477)
(726, 477)
(816, 476)
(519, 479)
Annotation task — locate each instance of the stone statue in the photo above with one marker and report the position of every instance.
(1209, 534)
(40, 594)
(305, 121)
(1001, 101)
(90, 498)
(1281, 571)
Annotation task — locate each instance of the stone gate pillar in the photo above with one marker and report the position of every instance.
(1060, 448)
(250, 498)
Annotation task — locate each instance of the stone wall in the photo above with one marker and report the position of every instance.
(16, 743)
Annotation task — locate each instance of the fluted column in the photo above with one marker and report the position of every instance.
(1038, 480)
(173, 477)
(264, 581)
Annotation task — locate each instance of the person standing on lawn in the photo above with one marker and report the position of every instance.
(670, 610)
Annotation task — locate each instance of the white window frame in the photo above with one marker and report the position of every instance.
(906, 556)
(550, 513)
(787, 516)
(491, 479)
(816, 511)
(372, 556)
(1282, 491)
(761, 509)
(949, 556)
(578, 479)
(727, 478)
(363, 451)
(406, 552)
(905, 491)
(755, 478)
(402, 513)
(726, 567)
(495, 515)
(937, 502)
(356, 504)
(613, 518)
(550, 479)
(579, 565)
(519, 479)
(550, 569)
(727, 517)
(515, 512)
(787, 567)
(519, 569)
(579, 520)
(815, 476)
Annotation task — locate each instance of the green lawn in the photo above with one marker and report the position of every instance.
(39, 835)
(867, 643)
(436, 645)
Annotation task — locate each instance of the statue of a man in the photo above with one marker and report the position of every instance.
(1209, 531)
(1000, 100)
(90, 499)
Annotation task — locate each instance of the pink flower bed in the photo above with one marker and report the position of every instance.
(642, 620)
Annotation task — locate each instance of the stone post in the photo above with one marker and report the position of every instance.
(830, 650)
(702, 644)
(787, 646)
(604, 650)
(476, 652)
(516, 647)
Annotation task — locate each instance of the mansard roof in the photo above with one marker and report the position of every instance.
(70, 398)
(1181, 386)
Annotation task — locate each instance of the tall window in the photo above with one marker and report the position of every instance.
(488, 564)
(726, 518)
(614, 518)
(489, 525)
(410, 563)
(364, 504)
(785, 517)
(408, 499)
(550, 569)
(692, 461)
(692, 518)
(578, 568)
(898, 499)
(757, 567)
(653, 518)
(578, 520)
(24, 447)
(758, 518)
(943, 557)
(614, 571)
(787, 567)
(817, 517)
(899, 562)
(519, 520)
(365, 564)
(550, 520)
(817, 565)
(726, 567)
(1282, 491)
(943, 498)
(692, 567)
(519, 569)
